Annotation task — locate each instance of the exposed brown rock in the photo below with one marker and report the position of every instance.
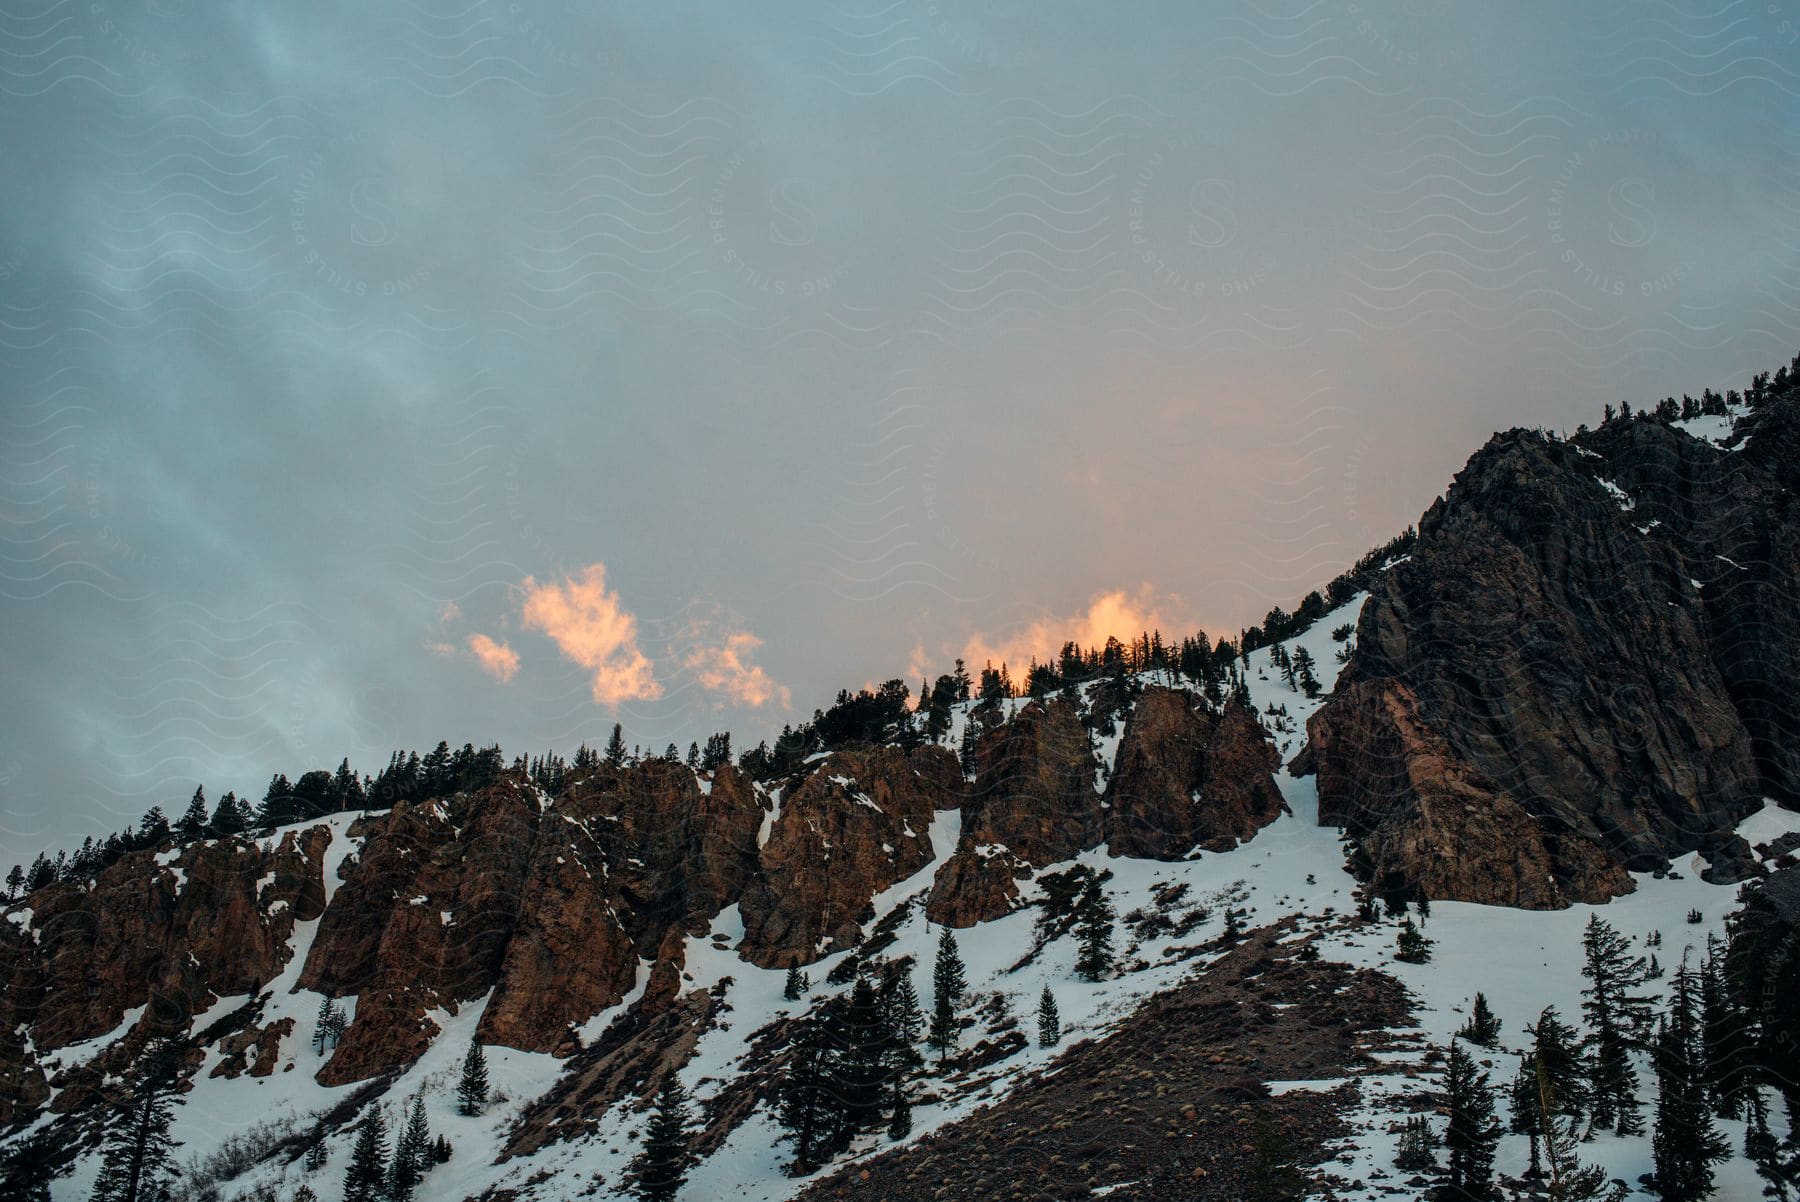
(677, 854)
(172, 937)
(253, 1049)
(569, 957)
(1034, 789)
(1164, 1105)
(860, 822)
(389, 1032)
(1443, 828)
(630, 1059)
(550, 908)
(422, 920)
(1185, 778)
(1613, 667)
(168, 931)
(976, 884)
(1033, 802)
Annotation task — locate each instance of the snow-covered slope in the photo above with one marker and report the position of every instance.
(1522, 960)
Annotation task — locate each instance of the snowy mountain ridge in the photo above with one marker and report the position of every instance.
(1546, 706)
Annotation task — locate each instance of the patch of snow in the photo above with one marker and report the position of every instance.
(1619, 495)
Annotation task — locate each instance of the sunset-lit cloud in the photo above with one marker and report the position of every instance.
(593, 629)
(720, 662)
(492, 656)
(1114, 613)
(496, 659)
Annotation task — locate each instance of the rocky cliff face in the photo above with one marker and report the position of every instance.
(553, 910)
(1187, 778)
(1033, 802)
(858, 824)
(676, 853)
(550, 906)
(1577, 670)
(1184, 779)
(166, 933)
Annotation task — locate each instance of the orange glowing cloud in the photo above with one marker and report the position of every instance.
(1115, 613)
(722, 665)
(496, 659)
(592, 629)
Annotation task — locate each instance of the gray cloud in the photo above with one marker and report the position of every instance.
(863, 330)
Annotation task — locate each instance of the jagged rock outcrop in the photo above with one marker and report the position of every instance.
(1450, 833)
(421, 921)
(1186, 778)
(858, 823)
(169, 932)
(1034, 790)
(569, 956)
(1033, 802)
(976, 884)
(550, 906)
(638, 1049)
(1591, 633)
(677, 854)
(253, 1050)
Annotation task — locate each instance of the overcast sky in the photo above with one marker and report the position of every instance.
(498, 369)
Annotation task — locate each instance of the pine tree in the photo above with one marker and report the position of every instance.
(1049, 1022)
(42, 873)
(15, 883)
(806, 1103)
(1410, 945)
(862, 1064)
(328, 1028)
(1093, 931)
(412, 1155)
(1527, 1113)
(153, 829)
(1482, 1029)
(904, 1024)
(1304, 676)
(1470, 1134)
(1777, 1163)
(1569, 1179)
(192, 823)
(615, 746)
(1729, 1035)
(1558, 1051)
(663, 1165)
(797, 984)
(27, 1167)
(230, 817)
(1417, 1151)
(315, 1153)
(1685, 1142)
(365, 1178)
(1616, 1015)
(948, 982)
(278, 803)
(472, 1088)
(136, 1152)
